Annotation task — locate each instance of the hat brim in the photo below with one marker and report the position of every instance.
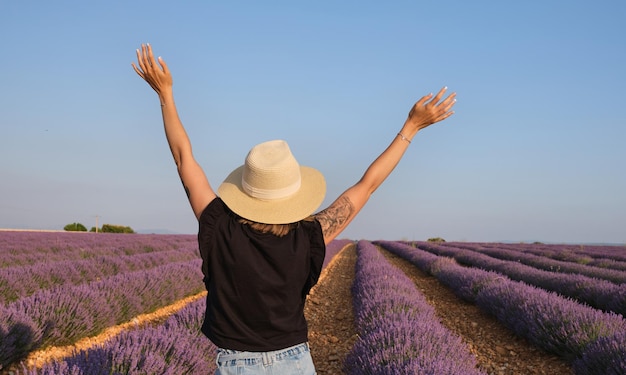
(283, 211)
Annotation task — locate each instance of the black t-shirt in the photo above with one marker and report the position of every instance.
(257, 282)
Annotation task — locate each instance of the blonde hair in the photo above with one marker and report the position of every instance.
(278, 230)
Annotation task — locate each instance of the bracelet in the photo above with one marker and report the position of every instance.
(404, 138)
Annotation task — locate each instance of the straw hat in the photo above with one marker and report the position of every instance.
(271, 187)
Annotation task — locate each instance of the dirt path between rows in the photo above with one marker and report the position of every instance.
(497, 350)
(329, 313)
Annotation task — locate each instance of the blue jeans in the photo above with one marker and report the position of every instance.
(295, 360)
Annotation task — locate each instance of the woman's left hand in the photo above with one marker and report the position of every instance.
(429, 110)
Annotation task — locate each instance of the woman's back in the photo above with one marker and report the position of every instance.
(257, 282)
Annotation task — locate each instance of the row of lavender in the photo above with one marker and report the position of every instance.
(65, 314)
(594, 291)
(21, 281)
(606, 256)
(61, 287)
(614, 271)
(333, 248)
(592, 340)
(174, 347)
(398, 331)
(26, 248)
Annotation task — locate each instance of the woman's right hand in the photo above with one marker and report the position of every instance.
(156, 74)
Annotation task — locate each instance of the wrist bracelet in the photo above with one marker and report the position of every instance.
(404, 138)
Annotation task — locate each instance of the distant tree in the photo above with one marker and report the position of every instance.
(75, 227)
(110, 228)
(436, 239)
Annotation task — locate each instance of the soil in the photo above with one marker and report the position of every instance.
(332, 334)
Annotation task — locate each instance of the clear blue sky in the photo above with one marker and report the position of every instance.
(535, 151)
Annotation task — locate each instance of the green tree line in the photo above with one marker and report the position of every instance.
(106, 228)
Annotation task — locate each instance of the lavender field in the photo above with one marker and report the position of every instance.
(57, 288)
(554, 316)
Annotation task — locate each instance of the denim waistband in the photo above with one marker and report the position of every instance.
(277, 355)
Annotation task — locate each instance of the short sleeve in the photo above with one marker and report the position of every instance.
(209, 218)
(207, 223)
(318, 252)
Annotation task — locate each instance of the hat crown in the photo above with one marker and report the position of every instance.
(271, 172)
(271, 187)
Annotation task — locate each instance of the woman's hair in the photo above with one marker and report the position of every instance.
(279, 230)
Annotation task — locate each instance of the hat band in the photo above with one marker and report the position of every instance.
(270, 194)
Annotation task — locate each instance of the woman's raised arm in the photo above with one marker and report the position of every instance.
(158, 76)
(428, 110)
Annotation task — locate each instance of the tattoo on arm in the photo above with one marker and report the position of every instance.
(335, 216)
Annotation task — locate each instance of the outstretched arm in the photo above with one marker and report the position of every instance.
(428, 110)
(157, 75)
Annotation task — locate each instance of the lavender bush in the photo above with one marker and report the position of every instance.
(559, 325)
(575, 252)
(542, 262)
(19, 335)
(606, 356)
(556, 324)
(66, 314)
(398, 330)
(601, 294)
(422, 259)
(604, 256)
(464, 282)
(25, 248)
(174, 347)
(22, 281)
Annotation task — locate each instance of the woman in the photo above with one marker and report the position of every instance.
(261, 242)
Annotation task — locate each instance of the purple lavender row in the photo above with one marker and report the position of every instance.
(62, 315)
(333, 248)
(174, 347)
(597, 293)
(612, 257)
(605, 356)
(465, 283)
(558, 325)
(21, 281)
(543, 262)
(615, 252)
(25, 248)
(608, 256)
(399, 332)
(592, 340)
